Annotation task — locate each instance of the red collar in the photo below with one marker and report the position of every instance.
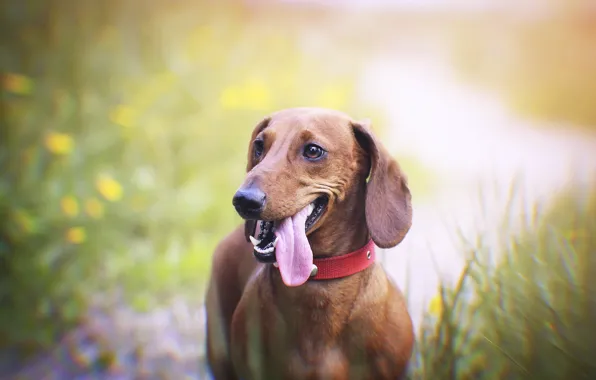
(330, 268)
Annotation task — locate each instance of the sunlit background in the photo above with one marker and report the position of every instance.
(124, 128)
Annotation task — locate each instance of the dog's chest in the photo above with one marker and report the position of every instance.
(288, 340)
(294, 364)
(323, 363)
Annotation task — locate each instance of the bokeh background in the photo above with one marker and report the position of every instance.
(124, 127)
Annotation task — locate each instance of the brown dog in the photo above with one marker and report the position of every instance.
(278, 316)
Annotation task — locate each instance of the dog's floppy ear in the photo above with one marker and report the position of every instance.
(251, 225)
(388, 200)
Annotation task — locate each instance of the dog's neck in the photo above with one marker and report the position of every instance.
(344, 229)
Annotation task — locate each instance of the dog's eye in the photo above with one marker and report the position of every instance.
(313, 152)
(258, 147)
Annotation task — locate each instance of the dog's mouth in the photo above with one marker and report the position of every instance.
(264, 244)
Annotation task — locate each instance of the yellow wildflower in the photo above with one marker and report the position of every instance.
(231, 98)
(76, 235)
(256, 95)
(94, 208)
(17, 84)
(59, 143)
(109, 188)
(436, 306)
(70, 206)
(124, 115)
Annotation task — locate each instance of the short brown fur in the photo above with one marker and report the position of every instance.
(357, 327)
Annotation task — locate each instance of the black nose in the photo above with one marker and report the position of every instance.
(249, 202)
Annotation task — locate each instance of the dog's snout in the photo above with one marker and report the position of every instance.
(249, 202)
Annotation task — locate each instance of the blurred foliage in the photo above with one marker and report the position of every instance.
(531, 316)
(542, 65)
(124, 134)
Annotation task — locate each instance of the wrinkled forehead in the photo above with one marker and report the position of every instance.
(327, 125)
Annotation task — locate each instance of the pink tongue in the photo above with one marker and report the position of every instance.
(292, 251)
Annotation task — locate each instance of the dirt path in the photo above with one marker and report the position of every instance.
(470, 141)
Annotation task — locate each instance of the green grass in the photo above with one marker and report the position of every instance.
(531, 316)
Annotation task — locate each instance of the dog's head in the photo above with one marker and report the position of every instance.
(301, 164)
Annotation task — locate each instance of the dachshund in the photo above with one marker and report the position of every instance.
(295, 292)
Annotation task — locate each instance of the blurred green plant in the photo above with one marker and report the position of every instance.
(124, 135)
(531, 316)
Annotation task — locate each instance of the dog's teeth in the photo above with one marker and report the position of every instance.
(264, 251)
(254, 241)
(275, 241)
(311, 208)
(275, 264)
